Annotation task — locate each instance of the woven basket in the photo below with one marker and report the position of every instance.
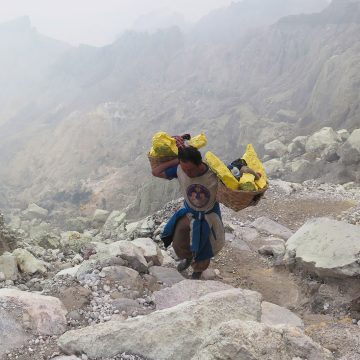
(238, 199)
(158, 160)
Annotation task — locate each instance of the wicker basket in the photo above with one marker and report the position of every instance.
(238, 199)
(158, 160)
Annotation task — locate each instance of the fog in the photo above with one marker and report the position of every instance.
(99, 22)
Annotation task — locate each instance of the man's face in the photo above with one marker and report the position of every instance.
(190, 169)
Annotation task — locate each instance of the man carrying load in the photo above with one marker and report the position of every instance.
(195, 231)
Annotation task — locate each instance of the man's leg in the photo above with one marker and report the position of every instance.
(181, 243)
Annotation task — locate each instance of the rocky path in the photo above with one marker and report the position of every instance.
(100, 288)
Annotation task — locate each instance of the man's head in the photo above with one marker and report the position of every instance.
(190, 161)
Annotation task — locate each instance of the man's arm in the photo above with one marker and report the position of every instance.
(159, 171)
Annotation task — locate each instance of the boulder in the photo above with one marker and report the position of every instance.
(298, 164)
(251, 340)
(100, 216)
(124, 276)
(166, 276)
(273, 247)
(168, 261)
(349, 152)
(42, 315)
(8, 266)
(274, 167)
(174, 333)
(186, 290)
(344, 134)
(115, 219)
(34, 212)
(72, 271)
(297, 146)
(74, 240)
(79, 224)
(321, 140)
(272, 227)
(150, 250)
(129, 252)
(274, 315)
(326, 247)
(27, 262)
(275, 149)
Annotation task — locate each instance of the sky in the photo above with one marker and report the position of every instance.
(97, 22)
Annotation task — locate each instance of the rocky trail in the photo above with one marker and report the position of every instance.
(286, 285)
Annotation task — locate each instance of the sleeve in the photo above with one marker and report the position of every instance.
(171, 172)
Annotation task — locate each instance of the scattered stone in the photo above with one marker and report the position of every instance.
(124, 276)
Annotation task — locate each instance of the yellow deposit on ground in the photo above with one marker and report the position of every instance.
(254, 163)
(165, 145)
(222, 171)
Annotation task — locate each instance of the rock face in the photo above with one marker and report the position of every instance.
(42, 315)
(327, 248)
(192, 321)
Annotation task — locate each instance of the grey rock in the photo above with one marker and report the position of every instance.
(321, 140)
(166, 276)
(125, 276)
(34, 212)
(74, 240)
(349, 152)
(8, 266)
(186, 290)
(27, 262)
(100, 216)
(238, 339)
(274, 167)
(272, 227)
(274, 315)
(275, 149)
(150, 250)
(42, 315)
(327, 247)
(11, 333)
(192, 321)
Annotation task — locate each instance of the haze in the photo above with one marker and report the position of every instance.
(98, 22)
